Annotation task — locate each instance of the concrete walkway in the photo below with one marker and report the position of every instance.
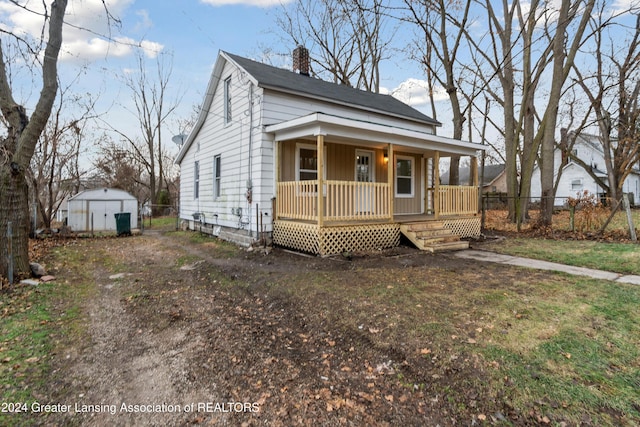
(546, 265)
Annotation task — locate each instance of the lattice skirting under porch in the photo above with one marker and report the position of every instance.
(335, 239)
(463, 227)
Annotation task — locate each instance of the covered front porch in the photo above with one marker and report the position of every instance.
(346, 185)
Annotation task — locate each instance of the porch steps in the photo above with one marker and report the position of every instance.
(432, 236)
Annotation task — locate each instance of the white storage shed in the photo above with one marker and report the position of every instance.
(103, 204)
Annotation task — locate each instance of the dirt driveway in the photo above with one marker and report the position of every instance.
(178, 333)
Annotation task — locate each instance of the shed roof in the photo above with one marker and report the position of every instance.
(103, 194)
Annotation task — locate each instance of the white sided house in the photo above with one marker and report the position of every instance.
(318, 167)
(575, 179)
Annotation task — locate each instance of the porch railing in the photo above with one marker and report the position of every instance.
(458, 200)
(343, 200)
(359, 201)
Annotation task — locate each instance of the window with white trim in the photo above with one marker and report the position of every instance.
(196, 180)
(227, 100)
(404, 176)
(576, 184)
(216, 176)
(307, 162)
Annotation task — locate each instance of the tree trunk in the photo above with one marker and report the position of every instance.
(17, 148)
(15, 209)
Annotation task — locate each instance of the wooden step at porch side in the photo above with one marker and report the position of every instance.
(448, 246)
(440, 239)
(433, 239)
(424, 225)
(436, 232)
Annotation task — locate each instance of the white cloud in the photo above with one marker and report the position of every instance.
(145, 20)
(415, 92)
(87, 34)
(258, 3)
(97, 48)
(624, 6)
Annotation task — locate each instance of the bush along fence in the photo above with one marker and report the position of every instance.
(587, 212)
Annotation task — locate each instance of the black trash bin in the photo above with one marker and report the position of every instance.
(123, 223)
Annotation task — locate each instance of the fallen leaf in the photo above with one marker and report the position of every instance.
(471, 341)
(425, 351)
(482, 417)
(389, 398)
(374, 330)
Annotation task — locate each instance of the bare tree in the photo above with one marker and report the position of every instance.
(151, 109)
(526, 44)
(513, 74)
(54, 169)
(565, 47)
(612, 89)
(442, 26)
(116, 166)
(17, 146)
(347, 38)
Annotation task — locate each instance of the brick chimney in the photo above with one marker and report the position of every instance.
(301, 60)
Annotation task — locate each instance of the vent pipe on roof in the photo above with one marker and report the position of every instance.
(301, 60)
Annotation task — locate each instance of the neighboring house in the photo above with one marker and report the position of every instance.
(575, 179)
(62, 212)
(494, 179)
(281, 154)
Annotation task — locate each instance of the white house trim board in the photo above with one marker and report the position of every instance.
(342, 127)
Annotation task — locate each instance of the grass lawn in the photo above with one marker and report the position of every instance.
(493, 342)
(617, 257)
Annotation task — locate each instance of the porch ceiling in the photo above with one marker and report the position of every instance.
(368, 133)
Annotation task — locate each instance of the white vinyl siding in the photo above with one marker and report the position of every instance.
(230, 141)
(279, 107)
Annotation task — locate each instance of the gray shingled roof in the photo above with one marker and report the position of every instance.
(274, 78)
(491, 172)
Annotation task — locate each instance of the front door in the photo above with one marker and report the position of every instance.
(365, 172)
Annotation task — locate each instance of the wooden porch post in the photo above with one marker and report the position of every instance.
(474, 181)
(474, 171)
(390, 171)
(277, 176)
(436, 185)
(320, 204)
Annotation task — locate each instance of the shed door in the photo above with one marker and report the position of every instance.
(104, 214)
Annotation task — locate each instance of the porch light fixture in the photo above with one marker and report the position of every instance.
(386, 157)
